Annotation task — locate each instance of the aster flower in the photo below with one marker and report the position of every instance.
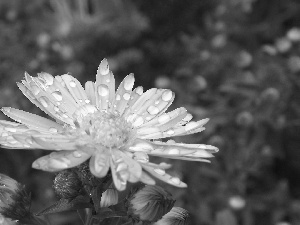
(112, 128)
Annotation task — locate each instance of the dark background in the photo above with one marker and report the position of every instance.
(234, 61)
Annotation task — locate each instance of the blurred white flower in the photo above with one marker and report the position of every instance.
(294, 34)
(237, 202)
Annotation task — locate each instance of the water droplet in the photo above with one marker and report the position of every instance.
(29, 141)
(34, 89)
(4, 134)
(103, 90)
(77, 154)
(167, 95)
(129, 82)
(44, 101)
(47, 78)
(170, 132)
(190, 125)
(163, 118)
(57, 164)
(87, 101)
(175, 180)
(10, 129)
(118, 97)
(103, 67)
(153, 110)
(139, 90)
(57, 95)
(156, 102)
(121, 166)
(160, 171)
(141, 156)
(52, 130)
(72, 84)
(126, 96)
(173, 151)
(138, 122)
(188, 117)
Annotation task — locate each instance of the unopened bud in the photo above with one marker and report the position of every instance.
(149, 203)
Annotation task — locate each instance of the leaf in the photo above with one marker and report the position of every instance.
(106, 213)
(62, 205)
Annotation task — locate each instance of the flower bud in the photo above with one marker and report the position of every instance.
(14, 200)
(109, 197)
(149, 203)
(67, 184)
(177, 216)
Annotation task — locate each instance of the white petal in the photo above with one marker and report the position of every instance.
(57, 161)
(31, 120)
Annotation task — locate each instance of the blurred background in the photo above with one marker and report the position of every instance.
(234, 61)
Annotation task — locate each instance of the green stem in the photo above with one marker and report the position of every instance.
(89, 217)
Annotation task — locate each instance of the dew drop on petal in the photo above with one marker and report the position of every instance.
(153, 110)
(167, 95)
(170, 132)
(103, 67)
(139, 90)
(29, 141)
(175, 180)
(160, 171)
(138, 122)
(164, 118)
(10, 129)
(4, 134)
(52, 130)
(72, 84)
(35, 89)
(44, 101)
(57, 95)
(173, 151)
(87, 101)
(190, 125)
(77, 154)
(48, 78)
(118, 97)
(188, 117)
(129, 82)
(126, 96)
(103, 90)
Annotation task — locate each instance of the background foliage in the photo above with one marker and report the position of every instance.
(234, 61)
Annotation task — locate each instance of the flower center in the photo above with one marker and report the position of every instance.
(106, 129)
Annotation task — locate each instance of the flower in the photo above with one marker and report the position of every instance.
(111, 128)
(177, 216)
(149, 203)
(14, 200)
